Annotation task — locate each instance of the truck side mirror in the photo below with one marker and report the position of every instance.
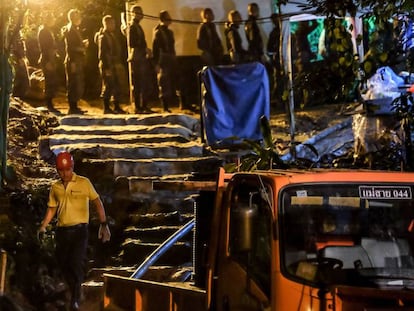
(243, 219)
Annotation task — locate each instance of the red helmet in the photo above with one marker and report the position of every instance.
(64, 160)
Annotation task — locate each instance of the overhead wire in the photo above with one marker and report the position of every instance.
(182, 21)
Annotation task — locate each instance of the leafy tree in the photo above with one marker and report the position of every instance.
(404, 107)
(382, 48)
(264, 155)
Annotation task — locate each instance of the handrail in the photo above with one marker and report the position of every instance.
(160, 250)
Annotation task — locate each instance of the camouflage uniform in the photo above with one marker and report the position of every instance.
(21, 81)
(254, 40)
(48, 63)
(164, 56)
(110, 59)
(74, 66)
(141, 67)
(234, 44)
(209, 42)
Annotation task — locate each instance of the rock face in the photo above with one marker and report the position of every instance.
(123, 155)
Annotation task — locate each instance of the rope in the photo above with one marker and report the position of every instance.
(261, 20)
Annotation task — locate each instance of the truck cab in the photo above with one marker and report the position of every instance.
(316, 241)
(296, 240)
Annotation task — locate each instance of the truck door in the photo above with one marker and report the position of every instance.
(244, 260)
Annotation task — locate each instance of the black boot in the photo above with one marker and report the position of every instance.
(165, 102)
(50, 107)
(75, 299)
(147, 109)
(49, 103)
(137, 104)
(107, 110)
(118, 109)
(73, 108)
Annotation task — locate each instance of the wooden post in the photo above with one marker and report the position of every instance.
(3, 260)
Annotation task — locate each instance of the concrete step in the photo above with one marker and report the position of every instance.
(155, 211)
(108, 130)
(160, 202)
(114, 138)
(184, 120)
(156, 167)
(176, 218)
(154, 234)
(155, 273)
(124, 155)
(136, 251)
(144, 190)
(135, 151)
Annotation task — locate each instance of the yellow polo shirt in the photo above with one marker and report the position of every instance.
(73, 202)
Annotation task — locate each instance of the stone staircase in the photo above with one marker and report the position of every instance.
(123, 155)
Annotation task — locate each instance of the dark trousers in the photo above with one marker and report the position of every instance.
(111, 83)
(169, 83)
(141, 73)
(51, 80)
(75, 82)
(21, 82)
(71, 247)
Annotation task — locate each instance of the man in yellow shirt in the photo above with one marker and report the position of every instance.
(69, 199)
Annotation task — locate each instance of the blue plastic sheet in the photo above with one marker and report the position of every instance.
(234, 97)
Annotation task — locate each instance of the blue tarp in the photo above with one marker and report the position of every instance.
(234, 97)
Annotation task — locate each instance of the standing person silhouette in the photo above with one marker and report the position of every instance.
(208, 40)
(253, 36)
(109, 54)
(75, 48)
(48, 59)
(140, 64)
(165, 59)
(233, 40)
(273, 46)
(69, 199)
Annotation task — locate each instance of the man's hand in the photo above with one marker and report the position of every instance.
(148, 53)
(41, 234)
(104, 233)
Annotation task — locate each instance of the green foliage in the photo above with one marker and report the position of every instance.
(332, 8)
(384, 48)
(339, 80)
(332, 79)
(264, 155)
(384, 10)
(404, 107)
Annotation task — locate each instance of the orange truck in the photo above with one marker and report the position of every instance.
(292, 240)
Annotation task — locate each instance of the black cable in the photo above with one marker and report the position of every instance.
(181, 21)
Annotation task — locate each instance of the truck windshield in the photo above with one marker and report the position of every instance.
(350, 234)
